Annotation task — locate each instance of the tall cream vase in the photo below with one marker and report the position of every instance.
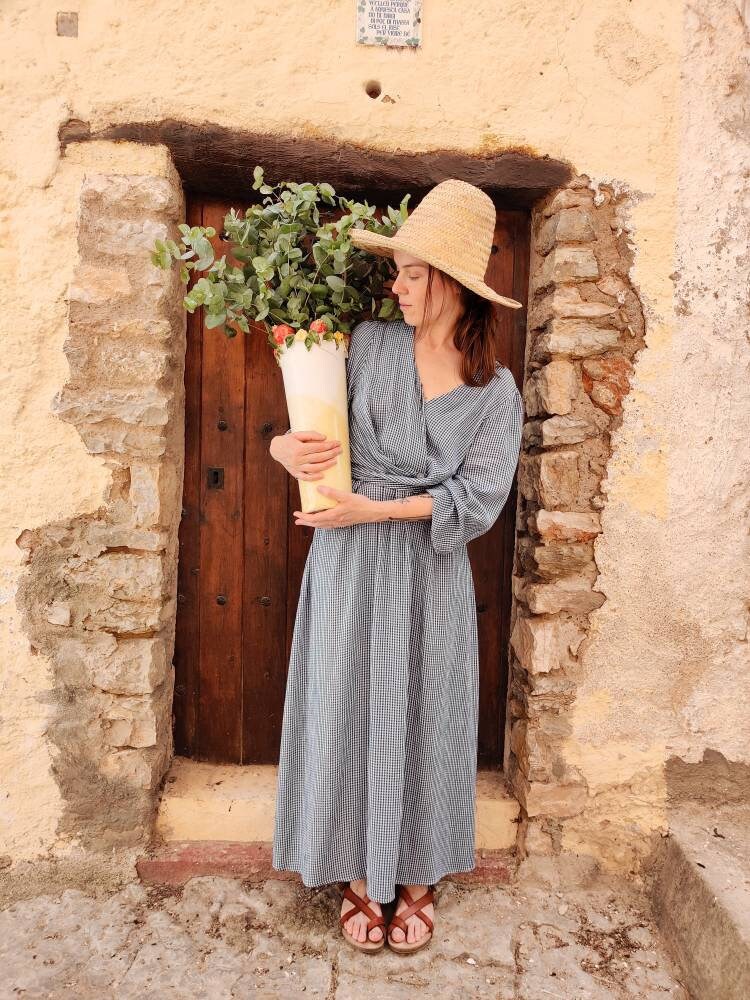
(316, 399)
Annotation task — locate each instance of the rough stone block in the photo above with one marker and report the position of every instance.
(115, 362)
(567, 302)
(129, 196)
(569, 197)
(105, 535)
(558, 430)
(569, 225)
(545, 644)
(551, 389)
(124, 238)
(132, 667)
(556, 559)
(155, 490)
(145, 406)
(116, 438)
(565, 264)
(123, 576)
(135, 721)
(87, 321)
(607, 381)
(534, 839)
(565, 525)
(575, 338)
(129, 767)
(572, 594)
(551, 479)
(96, 285)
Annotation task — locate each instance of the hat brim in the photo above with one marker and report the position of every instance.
(384, 246)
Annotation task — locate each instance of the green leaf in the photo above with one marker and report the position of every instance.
(205, 253)
(320, 254)
(213, 320)
(338, 284)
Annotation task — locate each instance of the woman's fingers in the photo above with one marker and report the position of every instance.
(327, 456)
(315, 473)
(313, 447)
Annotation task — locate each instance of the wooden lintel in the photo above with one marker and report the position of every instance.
(215, 160)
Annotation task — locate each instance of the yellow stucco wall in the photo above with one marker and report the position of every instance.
(601, 86)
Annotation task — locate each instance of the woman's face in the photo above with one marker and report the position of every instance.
(410, 287)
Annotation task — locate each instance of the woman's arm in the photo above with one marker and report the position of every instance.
(414, 508)
(468, 503)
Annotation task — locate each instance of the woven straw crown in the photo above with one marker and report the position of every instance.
(451, 228)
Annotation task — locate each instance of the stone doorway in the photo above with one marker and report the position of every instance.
(99, 596)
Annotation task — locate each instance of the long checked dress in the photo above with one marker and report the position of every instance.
(378, 756)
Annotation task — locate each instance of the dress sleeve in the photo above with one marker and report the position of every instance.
(360, 341)
(468, 503)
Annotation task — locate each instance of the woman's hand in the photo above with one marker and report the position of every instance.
(352, 508)
(305, 455)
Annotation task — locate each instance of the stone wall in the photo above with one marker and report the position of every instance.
(98, 595)
(585, 329)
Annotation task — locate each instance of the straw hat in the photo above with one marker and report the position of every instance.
(451, 228)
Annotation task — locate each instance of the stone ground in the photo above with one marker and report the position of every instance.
(542, 937)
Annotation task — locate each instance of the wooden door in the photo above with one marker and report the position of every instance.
(241, 556)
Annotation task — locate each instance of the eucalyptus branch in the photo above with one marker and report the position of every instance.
(291, 268)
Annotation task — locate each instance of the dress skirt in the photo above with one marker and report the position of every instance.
(377, 771)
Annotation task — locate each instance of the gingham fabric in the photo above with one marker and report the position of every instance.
(377, 767)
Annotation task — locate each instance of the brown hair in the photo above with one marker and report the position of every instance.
(477, 334)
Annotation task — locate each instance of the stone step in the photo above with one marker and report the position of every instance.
(701, 898)
(175, 862)
(218, 819)
(214, 802)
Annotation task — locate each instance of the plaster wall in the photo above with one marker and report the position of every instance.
(665, 668)
(645, 97)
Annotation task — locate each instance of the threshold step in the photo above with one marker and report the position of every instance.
(237, 804)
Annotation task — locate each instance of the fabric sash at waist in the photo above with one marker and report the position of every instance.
(377, 489)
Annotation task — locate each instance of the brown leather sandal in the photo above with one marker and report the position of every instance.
(399, 920)
(360, 903)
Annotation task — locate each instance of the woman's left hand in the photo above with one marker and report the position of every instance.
(352, 508)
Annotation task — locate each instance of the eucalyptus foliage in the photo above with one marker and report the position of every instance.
(292, 267)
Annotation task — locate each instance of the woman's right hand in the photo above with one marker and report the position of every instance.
(305, 454)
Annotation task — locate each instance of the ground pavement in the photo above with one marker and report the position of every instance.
(543, 937)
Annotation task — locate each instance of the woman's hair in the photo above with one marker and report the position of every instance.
(477, 334)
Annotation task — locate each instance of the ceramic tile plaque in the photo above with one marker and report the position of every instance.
(389, 22)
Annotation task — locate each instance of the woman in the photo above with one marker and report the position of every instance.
(377, 768)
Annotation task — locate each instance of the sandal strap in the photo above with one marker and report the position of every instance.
(413, 907)
(360, 903)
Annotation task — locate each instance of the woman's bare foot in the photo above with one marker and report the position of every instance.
(357, 925)
(416, 928)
